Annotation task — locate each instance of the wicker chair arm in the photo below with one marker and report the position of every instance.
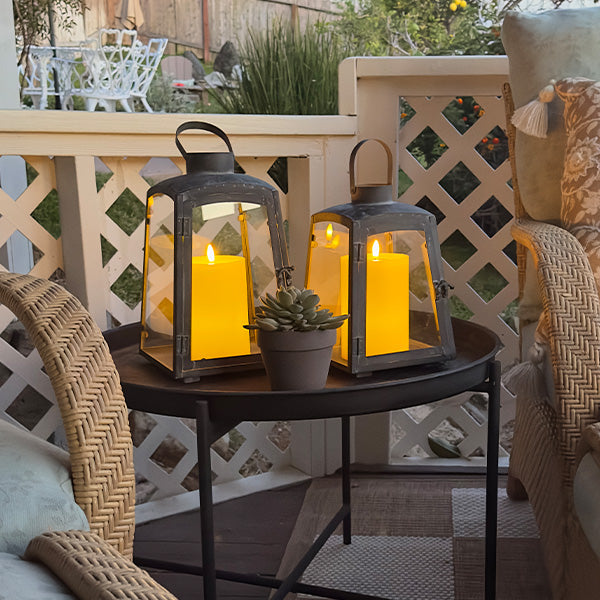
(572, 306)
(91, 402)
(92, 569)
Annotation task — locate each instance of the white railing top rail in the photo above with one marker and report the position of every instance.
(60, 133)
(423, 66)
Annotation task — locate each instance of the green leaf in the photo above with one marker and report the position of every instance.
(268, 324)
(284, 298)
(322, 316)
(310, 301)
(442, 448)
(310, 314)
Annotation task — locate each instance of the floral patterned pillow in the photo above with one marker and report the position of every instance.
(580, 212)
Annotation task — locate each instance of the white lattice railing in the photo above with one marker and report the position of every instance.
(101, 165)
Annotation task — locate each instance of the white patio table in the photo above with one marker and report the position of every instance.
(115, 67)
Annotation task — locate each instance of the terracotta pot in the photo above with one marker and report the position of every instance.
(296, 360)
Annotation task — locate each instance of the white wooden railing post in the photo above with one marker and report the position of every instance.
(13, 179)
(9, 90)
(81, 218)
(375, 120)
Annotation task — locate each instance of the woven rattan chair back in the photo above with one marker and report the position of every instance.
(88, 392)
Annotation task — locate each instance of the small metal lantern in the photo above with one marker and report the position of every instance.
(214, 243)
(379, 260)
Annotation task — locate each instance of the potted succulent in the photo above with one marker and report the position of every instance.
(295, 338)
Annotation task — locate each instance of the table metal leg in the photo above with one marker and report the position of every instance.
(206, 502)
(491, 496)
(347, 526)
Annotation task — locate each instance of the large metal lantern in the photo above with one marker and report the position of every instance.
(214, 242)
(379, 260)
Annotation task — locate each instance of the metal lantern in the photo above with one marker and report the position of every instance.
(379, 260)
(214, 243)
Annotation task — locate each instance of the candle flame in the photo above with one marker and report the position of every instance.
(375, 250)
(210, 253)
(329, 232)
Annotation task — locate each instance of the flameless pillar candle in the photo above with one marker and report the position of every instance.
(386, 303)
(219, 306)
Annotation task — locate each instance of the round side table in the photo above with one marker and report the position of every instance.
(220, 402)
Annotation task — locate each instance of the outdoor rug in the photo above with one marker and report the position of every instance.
(418, 538)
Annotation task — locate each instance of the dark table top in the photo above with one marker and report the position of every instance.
(235, 397)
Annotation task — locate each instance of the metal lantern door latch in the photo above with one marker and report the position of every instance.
(442, 289)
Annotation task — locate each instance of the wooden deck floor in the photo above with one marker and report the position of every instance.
(251, 535)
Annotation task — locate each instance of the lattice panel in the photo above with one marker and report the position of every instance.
(165, 452)
(169, 446)
(453, 161)
(29, 243)
(122, 198)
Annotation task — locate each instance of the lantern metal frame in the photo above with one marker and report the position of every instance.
(210, 179)
(374, 211)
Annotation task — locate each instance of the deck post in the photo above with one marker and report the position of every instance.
(13, 179)
(80, 218)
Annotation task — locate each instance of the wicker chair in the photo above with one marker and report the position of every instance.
(551, 438)
(94, 564)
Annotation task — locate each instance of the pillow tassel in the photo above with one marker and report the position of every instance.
(532, 119)
(527, 378)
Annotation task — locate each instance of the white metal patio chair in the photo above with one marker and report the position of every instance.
(109, 72)
(114, 67)
(146, 60)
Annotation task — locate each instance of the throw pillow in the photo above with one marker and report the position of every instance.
(540, 47)
(580, 212)
(36, 494)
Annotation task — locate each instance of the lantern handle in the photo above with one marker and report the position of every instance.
(202, 125)
(353, 159)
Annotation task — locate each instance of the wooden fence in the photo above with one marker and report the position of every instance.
(182, 20)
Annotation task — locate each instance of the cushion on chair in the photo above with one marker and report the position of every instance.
(580, 213)
(36, 494)
(541, 47)
(24, 580)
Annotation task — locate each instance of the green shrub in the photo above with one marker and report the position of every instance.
(163, 97)
(286, 71)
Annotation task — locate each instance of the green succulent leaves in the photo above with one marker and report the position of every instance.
(294, 309)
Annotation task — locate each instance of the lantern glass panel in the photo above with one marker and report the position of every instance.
(327, 269)
(232, 266)
(157, 316)
(400, 300)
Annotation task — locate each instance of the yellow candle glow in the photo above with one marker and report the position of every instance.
(219, 306)
(387, 302)
(387, 299)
